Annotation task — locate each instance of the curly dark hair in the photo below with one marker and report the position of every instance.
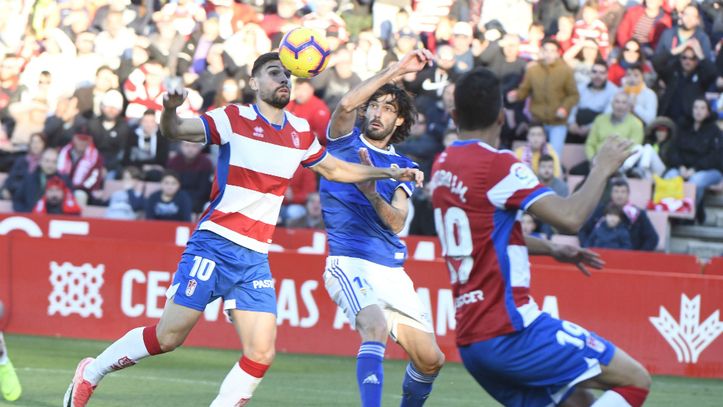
(403, 102)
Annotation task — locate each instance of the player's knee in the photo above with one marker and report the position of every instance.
(641, 378)
(431, 362)
(263, 356)
(169, 342)
(373, 330)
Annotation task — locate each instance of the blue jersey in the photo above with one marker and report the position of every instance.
(352, 224)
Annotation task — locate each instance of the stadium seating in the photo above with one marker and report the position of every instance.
(565, 239)
(6, 206)
(641, 191)
(110, 187)
(93, 211)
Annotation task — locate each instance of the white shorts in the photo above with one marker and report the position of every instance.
(354, 284)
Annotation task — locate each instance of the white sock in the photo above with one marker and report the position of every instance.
(611, 399)
(3, 351)
(124, 352)
(236, 389)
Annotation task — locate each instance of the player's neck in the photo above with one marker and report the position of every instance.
(489, 136)
(272, 114)
(380, 144)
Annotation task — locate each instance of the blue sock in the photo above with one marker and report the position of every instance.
(370, 373)
(416, 387)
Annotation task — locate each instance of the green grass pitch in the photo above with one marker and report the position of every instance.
(191, 376)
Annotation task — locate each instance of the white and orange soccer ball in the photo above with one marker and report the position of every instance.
(304, 52)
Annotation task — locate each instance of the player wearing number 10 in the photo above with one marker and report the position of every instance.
(261, 146)
(518, 354)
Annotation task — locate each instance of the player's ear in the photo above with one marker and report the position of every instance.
(399, 121)
(253, 85)
(501, 118)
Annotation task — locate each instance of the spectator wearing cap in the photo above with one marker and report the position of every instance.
(146, 149)
(89, 97)
(110, 131)
(645, 23)
(687, 74)
(57, 199)
(551, 87)
(461, 43)
(33, 186)
(595, 97)
(170, 202)
(82, 163)
(310, 107)
(195, 171)
(674, 40)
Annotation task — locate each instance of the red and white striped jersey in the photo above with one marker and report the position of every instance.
(478, 194)
(256, 162)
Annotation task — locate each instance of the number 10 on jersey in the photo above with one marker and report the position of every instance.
(456, 237)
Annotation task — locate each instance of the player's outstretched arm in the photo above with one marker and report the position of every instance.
(569, 214)
(564, 253)
(344, 116)
(175, 127)
(338, 170)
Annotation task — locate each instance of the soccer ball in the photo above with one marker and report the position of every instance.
(304, 52)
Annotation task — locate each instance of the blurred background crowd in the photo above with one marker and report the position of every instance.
(81, 84)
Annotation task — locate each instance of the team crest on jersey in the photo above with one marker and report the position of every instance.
(191, 287)
(295, 139)
(258, 131)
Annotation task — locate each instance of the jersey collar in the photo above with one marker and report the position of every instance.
(389, 151)
(276, 126)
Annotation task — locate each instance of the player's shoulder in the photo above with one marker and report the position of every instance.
(298, 123)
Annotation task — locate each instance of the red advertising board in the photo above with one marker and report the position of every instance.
(100, 288)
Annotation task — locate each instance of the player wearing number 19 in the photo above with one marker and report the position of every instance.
(518, 354)
(364, 273)
(261, 146)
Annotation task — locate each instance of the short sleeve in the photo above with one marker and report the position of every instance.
(341, 140)
(515, 185)
(408, 186)
(314, 154)
(217, 126)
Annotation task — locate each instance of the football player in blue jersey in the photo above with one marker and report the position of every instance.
(364, 273)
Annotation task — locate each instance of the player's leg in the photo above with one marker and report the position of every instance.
(179, 316)
(344, 279)
(257, 331)
(426, 361)
(9, 382)
(626, 381)
(251, 302)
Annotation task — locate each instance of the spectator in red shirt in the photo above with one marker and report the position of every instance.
(310, 107)
(645, 23)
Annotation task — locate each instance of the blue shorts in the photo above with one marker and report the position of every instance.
(538, 366)
(213, 267)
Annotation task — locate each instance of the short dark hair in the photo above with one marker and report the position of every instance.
(636, 66)
(406, 109)
(477, 99)
(134, 172)
(619, 182)
(149, 112)
(601, 62)
(171, 173)
(546, 157)
(550, 40)
(262, 60)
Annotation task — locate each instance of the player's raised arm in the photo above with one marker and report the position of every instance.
(338, 170)
(569, 214)
(344, 116)
(175, 127)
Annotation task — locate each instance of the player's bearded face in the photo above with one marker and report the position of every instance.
(274, 85)
(277, 95)
(376, 129)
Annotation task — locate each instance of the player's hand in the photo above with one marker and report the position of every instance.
(578, 256)
(612, 154)
(409, 174)
(368, 188)
(174, 97)
(414, 61)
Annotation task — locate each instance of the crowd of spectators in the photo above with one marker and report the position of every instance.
(81, 86)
